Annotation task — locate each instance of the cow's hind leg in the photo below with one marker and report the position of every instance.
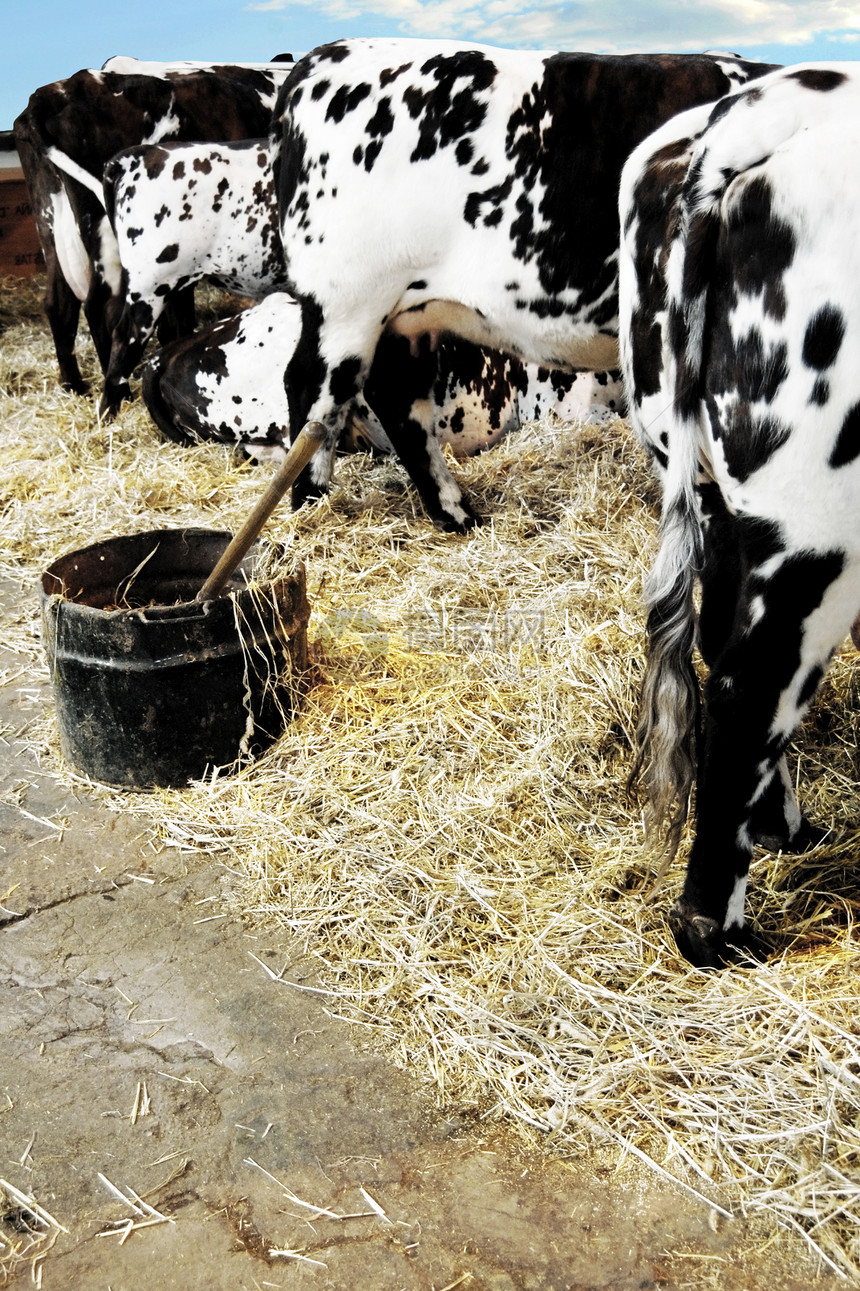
(399, 389)
(776, 821)
(321, 382)
(63, 312)
(758, 689)
(103, 309)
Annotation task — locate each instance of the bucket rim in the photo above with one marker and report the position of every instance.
(54, 587)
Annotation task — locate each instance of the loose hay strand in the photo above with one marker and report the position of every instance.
(444, 827)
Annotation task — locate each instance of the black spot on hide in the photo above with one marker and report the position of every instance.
(345, 100)
(820, 392)
(763, 246)
(847, 446)
(749, 440)
(818, 78)
(825, 332)
(452, 108)
(343, 382)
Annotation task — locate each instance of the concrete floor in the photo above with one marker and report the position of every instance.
(277, 1146)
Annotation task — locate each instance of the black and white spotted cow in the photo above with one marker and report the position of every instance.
(67, 133)
(740, 326)
(428, 187)
(226, 383)
(181, 212)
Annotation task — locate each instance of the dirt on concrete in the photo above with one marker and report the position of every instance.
(191, 1120)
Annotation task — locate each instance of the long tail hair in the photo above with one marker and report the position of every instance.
(668, 730)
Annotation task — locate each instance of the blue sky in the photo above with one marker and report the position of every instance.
(50, 39)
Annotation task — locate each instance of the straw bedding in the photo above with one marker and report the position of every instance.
(446, 829)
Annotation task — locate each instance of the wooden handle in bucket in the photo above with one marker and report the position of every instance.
(308, 441)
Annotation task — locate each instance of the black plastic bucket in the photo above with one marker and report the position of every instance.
(153, 687)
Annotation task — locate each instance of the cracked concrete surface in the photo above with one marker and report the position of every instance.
(264, 1124)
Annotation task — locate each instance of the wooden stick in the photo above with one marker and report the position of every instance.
(308, 441)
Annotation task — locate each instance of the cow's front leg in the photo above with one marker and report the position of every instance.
(400, 390)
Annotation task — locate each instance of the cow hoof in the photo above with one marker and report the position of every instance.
(306, 491)
(449, 525)
(698, 938)
(112, 400)
(803, 839)
(704, 944)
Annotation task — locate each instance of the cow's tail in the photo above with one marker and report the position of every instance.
(74, 170)
(670, 705)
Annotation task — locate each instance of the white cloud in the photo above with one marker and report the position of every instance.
(612, 25)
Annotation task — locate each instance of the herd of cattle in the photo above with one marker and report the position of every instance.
(447, 240)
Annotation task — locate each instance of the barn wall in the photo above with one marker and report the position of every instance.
(20, 253)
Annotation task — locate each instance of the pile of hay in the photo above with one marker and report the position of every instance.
(446, 828)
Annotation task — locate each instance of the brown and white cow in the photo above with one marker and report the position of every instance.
(67, 133)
